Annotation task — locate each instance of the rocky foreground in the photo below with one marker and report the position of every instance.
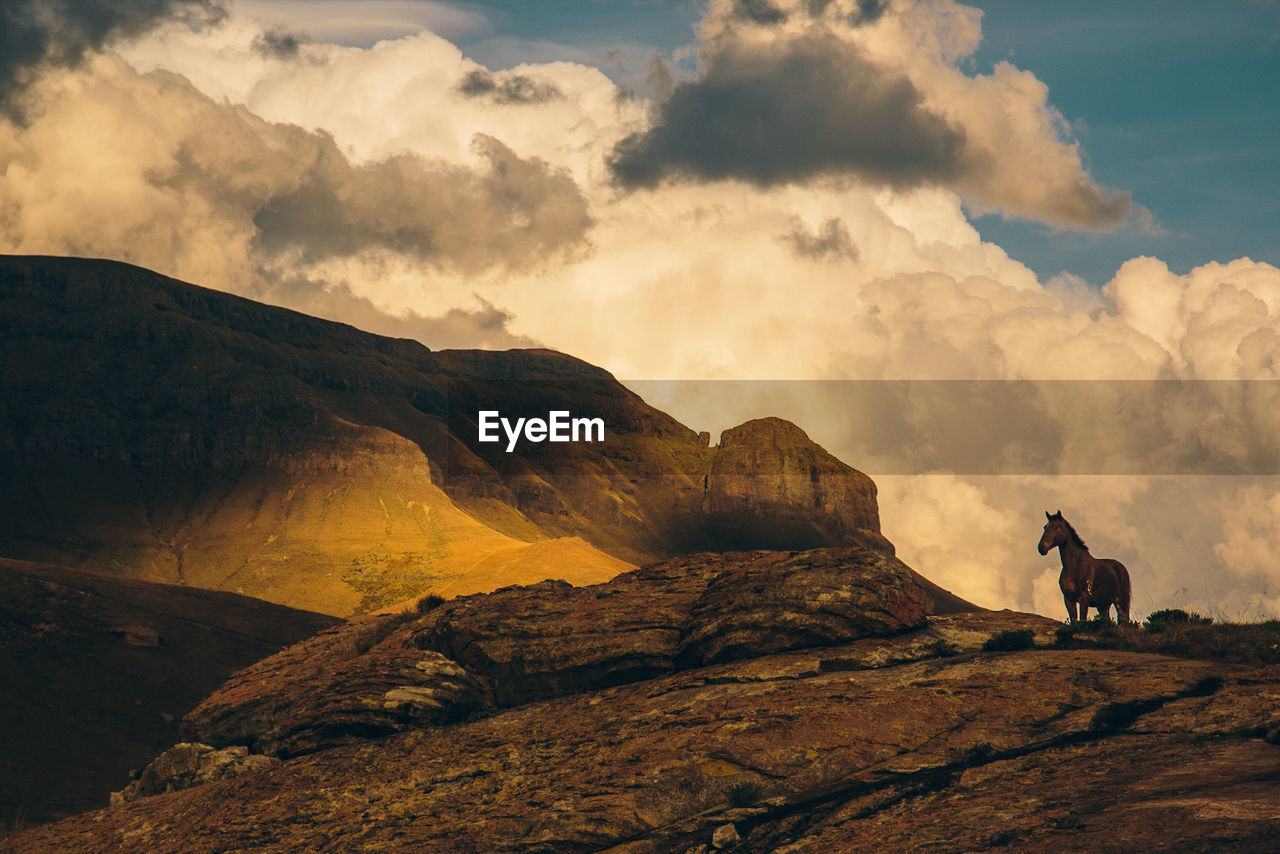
(818, 701)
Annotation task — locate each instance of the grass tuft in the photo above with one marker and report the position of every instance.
(1010, 640)
(743, 794)
(429, 603)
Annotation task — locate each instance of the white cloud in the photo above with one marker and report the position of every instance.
(362, 23)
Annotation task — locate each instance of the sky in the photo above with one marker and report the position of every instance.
(1150, 88)
(754, 199)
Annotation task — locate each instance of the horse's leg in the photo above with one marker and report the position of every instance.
(1084, 610)
(1071, 607)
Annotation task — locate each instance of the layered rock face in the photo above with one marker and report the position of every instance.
(523, 644)
(595, 735)
(770, 486)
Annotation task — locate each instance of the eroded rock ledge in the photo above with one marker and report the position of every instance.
(522, 644)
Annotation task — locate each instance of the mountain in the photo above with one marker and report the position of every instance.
(809, 701)
(97, 672)
(157, 430)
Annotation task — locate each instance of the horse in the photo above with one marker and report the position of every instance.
(1086, 581)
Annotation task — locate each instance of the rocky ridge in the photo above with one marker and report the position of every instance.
(861, 723)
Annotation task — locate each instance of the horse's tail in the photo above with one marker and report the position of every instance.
(1124, 590)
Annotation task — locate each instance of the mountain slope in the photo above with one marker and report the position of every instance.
(154, 429)
(96, 672)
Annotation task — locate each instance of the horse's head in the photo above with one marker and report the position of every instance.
(1056, 532)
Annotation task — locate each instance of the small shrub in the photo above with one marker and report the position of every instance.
(429, 603)
(1158, 621)
(943, 649)
(16, 824)
(1010, 640)
(743, 794)
(1064, 634)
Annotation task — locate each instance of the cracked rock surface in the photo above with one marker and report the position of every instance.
(901, 741)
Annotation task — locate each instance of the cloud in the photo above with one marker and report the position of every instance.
(279, 43)
(61, 32)
(483, 326)
(510, 213)
(758, 12)
(145, 168)
(831, 242)
(793, 91)
(788, 111)
(363, 22)
(508, 88)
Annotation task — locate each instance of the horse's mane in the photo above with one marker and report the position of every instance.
(1074, 536)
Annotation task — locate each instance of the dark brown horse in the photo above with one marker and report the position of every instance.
(1086, 581)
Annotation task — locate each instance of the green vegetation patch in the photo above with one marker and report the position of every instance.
(385, 579)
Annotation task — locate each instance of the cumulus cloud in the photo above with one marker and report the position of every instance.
(508, 88)
(791, 110)
(279, 43)
(831, 242)
(512, 212)
(147, 169)
(795, 90)
(61, 32)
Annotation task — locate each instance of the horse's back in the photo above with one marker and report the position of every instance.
(1111, 581)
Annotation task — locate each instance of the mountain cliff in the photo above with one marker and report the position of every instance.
(157, 430)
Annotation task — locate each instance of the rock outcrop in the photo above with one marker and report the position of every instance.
(770, 486)
(185, 765)
(343, 684)
(815, 598)
(596, 735)
(523, 644)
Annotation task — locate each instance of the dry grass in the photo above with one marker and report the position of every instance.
(1176, 633)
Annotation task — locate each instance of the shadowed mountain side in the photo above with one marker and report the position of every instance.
(764, 701)
(96, 672)
(158, 430)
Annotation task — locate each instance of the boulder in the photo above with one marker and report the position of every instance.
(550, 639)
(809, 599)
(358, 681)
(185, 765)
